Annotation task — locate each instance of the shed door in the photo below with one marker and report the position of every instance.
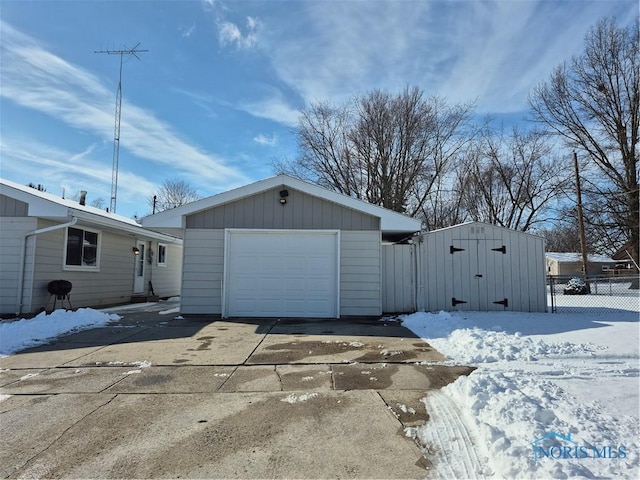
(477, 274)
(281, 274)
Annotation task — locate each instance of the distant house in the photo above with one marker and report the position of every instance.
(571, 263)
(109, 259)
(623, 258)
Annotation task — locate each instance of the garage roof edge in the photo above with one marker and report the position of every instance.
(390, 221)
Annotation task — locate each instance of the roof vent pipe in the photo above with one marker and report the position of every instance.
(83, 197)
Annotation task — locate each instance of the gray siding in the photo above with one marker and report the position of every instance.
(203, 267)
(112, 284)
(477, 274)
(12, 233)
(398, 279)
(10, 207)
(165, 278)
(203, 263)
(360, 273)
(264, 210)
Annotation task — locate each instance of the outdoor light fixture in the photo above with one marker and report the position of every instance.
(136, 251)
(283, 196)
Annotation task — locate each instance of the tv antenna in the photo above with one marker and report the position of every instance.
(116, 134)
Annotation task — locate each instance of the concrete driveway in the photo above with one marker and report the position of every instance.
(151, 396)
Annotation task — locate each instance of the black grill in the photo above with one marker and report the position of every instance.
(59, 288)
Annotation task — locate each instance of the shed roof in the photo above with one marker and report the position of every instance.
(48, 206)
(390, 221)
(571, 257)
(473, 222)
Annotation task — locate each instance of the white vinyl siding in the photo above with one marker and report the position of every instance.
(166, 278)
(478, 274)
(111, 285)
(12, 234)
(360, 273)
(203, 264)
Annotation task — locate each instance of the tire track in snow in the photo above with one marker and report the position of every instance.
(447, 442)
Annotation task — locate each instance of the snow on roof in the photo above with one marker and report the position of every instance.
(40, 210)
(46, 205)
(577, 257)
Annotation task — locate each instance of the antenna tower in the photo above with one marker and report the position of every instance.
(116, 134)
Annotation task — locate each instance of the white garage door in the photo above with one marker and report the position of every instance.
(281, 274)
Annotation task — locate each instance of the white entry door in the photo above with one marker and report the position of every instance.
(275, 273)
(138, 281)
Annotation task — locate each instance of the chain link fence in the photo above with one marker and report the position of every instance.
(575, 294)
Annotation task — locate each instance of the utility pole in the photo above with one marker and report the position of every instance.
(116, 134)
(583, 241)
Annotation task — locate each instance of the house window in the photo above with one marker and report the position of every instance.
(82, 248)
(162, 255)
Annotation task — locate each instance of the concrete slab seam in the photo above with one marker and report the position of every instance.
(227, 379)
(55, 440)
(275, 322)
(275, 369)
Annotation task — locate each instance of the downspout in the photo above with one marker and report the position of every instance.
(23, 258)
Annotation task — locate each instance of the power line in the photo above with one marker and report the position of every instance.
(116, 134)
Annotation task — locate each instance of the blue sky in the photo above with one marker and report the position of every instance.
(216, 98)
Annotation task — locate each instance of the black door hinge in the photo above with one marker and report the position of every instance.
(504, 302)
(502, 249)
(455, 302)
(453, 249)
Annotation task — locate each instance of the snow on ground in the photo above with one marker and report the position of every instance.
(24, 333)
(554, 395)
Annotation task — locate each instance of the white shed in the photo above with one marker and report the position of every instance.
(481, 267)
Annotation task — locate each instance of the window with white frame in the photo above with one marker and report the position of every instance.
(82, 248)
(162, 255)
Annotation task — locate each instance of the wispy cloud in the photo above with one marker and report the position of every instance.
(37, 79)
(230, 34)
(187, 32)
(491, 51)
(266, 140)
(273, 106)
(71, 171)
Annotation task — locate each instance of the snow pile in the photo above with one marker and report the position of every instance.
(554, 395)
(465, 342)
(24, 333)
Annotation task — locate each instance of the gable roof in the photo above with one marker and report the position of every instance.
(390, 221)
(48, 206)
(483, 224)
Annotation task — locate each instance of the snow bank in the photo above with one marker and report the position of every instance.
(479, 341)
(554, 395)
(23, 333)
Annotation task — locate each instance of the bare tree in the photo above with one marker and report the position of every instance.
(98, 203)
(512, 180)
(390, 150)
(172, 194)
(593, 103)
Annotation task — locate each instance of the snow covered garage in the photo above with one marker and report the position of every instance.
(481, 267)
(282, 247)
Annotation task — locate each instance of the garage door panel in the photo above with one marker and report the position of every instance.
(287, 274)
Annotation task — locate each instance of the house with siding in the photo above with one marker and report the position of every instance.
(282, 247)
(109, 259)
(570, 263)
